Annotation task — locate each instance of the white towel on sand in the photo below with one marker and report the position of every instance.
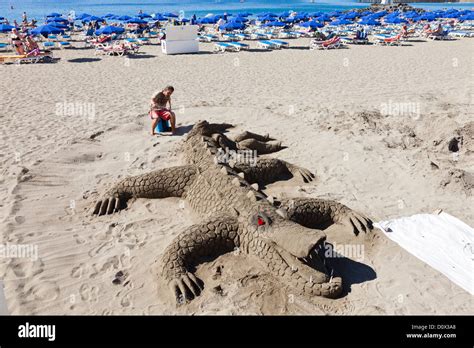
(442, 241)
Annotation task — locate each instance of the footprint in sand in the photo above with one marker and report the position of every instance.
(43, 291)
(20, 269)
(125, 302)
(89, 294)
(77, 271)
(79, 239)
(19, 219)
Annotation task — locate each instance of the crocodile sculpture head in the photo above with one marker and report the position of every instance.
(294, 253)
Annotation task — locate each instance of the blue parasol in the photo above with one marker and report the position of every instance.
(109, 29)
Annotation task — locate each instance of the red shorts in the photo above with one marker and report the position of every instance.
(164, 114)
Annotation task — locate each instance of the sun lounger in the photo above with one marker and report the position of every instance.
(64, 44)
(3, 47)
(221, 47)
(112, 50)
(239, 45)
(131, 46)
(258, 36)
(208, 38)
(280, 43)
(20, 59)
(461, 33)
(143, 40)
(443, 36)
(230, 37)
(48, 45)
(243, 36)
(387, 40)
(267, 45)
(334, 42)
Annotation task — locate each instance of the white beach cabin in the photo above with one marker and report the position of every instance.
(180, 39)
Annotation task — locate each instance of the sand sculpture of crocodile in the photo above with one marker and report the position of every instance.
(287, 236)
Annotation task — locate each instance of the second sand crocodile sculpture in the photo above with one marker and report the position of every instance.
(287, 236)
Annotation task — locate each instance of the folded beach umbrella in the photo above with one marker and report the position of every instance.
(124, 18)
(274, 24)
(46, 30)
(136, 21)
(170, 15)
(4, 28)
(109, 29)
(54, 14)
(340, 22)
(312, 25)
(232, 26)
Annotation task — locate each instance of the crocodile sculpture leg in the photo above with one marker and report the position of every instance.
(268, 170)
(249, 135)
(320, 213)
(213, 238)
(167, 182)
(262, 147)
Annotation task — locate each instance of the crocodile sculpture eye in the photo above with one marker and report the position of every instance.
(261, 219)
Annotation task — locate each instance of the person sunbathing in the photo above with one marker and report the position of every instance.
(32, 46)
(159, 109)
(17, 42)
(438, 31)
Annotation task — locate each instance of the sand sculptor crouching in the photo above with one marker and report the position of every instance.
(287, 236)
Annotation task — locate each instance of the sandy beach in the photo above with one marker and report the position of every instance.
(373, 123)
